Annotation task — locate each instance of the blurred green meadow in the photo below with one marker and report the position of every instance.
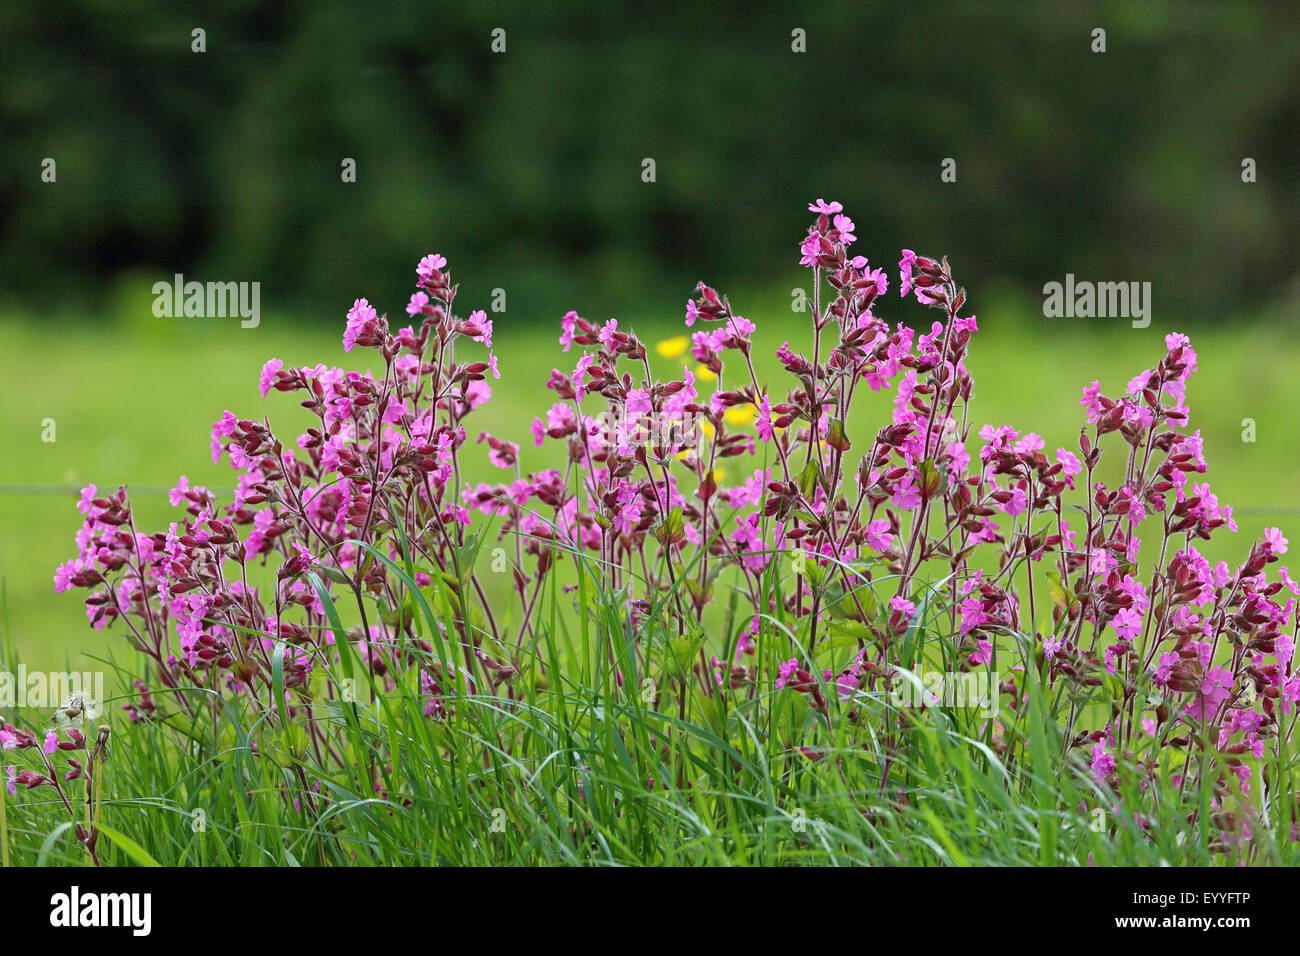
(132, 399)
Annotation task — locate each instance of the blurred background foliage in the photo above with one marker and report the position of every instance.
(226, 164)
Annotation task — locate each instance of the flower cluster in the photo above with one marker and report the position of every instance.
(998, 548)
(80, 769)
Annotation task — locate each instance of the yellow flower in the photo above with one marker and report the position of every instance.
(705, 374)
(707, 428)
(719, 474)
(673, 348)
(739, 415)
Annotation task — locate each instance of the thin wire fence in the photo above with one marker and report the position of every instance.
(74, 491)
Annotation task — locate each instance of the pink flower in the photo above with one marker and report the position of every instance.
(844, 225)
(907, 496)
(748, 638)
(972, 615)
(394, 412)
(1019, 501)
(825, 208)
(223, 427)
(878, 535)
(1285, 577)
(359, 316)
(788, 670)
(638, 402)
(418, 301)
(1127, 623)
(1137, 511)
(479, 318)
(1070, 465)
(478, 394)
(811, 250)
(579, 373)
(429, 265)
(846, 684)
(905, 272)
(63, 575)
(763, 425)
(568, 328)
(177, 494)
(1029, 443)
(51, 743)
(1103, 764)
(960, 460)
(1092, 402)
(1273, 538)
(1216, 687)
(1164, 668)
(903, 606)
(267, 379)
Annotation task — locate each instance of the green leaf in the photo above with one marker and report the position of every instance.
(334, 574)
(680, 654)
(836, 437)
(1062, 596)
(840, 602)
(931, 479)
(809, 477)
(701, 593)
(277, 682)
(850, 629)
(672, 529)
(128, 846)
(47, 845)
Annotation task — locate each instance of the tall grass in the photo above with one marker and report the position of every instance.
(579, 767)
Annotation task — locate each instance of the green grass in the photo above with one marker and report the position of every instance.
(561, 774)
(579, 770)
